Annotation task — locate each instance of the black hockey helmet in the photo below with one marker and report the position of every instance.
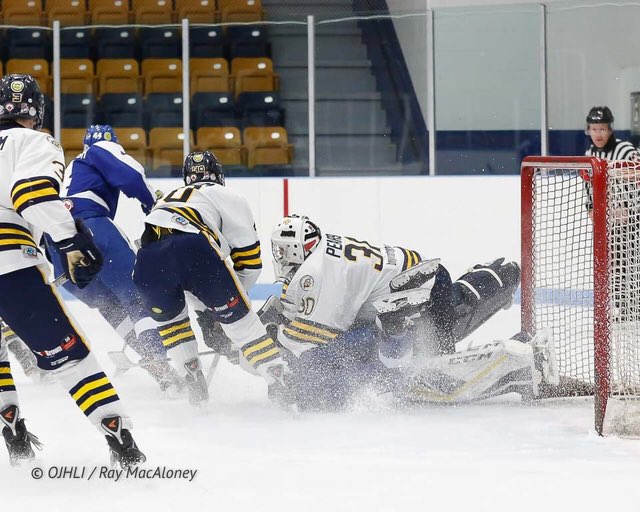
(20, 98)
(600, 115)
(202, 166)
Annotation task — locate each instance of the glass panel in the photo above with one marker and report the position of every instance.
(591, 62)
(487, 67)
(371, 95)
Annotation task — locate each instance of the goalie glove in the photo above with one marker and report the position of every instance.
(82, 259)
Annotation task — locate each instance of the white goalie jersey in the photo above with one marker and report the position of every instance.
(335, 287)
(32, 166)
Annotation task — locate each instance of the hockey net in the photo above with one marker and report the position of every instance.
(581, 278)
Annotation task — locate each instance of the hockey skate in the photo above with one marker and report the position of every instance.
(162, 372)
(416, 276)
(122, 448)
(196, 382)
(20, 442)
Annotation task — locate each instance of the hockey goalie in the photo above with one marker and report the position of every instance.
(356, 317)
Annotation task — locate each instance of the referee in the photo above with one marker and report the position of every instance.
(603, 140)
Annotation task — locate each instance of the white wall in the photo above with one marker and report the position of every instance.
(463, 220)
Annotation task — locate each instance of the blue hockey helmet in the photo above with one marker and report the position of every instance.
(202, 166)
(98, 132)
(21, 98)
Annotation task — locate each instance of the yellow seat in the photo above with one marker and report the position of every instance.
(67, 12)
(118, 76)
(209, 75)
(196, 11)
(134, 141)
(166, 146)
(71, 140)
(23, 12)
(162, 75)
(224, 142)
(38, 68)
(109, 12)
(267, 145)
(76, 76)
(152, 12)
(240, 10)
(252, 74)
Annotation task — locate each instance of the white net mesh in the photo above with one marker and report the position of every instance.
(563, 275)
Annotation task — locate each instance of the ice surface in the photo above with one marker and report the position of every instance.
(498, 456)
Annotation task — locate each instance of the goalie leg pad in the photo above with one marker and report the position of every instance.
(481, 372)
(482, 292)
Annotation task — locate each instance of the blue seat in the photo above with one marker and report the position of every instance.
(77, 110)
(76, 43)
(28, 43)
(163, 110)
(247, 41)
(122, 110)
(115, 43)
(160, 43)
(260, 109)
(206, 42)
(213, 109)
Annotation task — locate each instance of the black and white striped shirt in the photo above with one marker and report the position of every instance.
(615, 149)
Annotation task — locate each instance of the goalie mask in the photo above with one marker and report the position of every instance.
(292, 241)
(20, 98)
(202, 166)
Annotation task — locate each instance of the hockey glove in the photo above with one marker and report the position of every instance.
(83, 259)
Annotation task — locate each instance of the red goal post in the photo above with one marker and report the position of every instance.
(580, 242)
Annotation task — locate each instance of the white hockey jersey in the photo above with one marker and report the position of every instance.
(335, 287)
(220, 214)
(32, 166)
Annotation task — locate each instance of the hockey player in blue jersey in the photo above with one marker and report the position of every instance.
(91, 189)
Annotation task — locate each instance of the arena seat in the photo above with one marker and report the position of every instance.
(71, 140)
(152, 12)
(209, 75)
(23, 12)
(166, 146)
(115, 43)
(267, 146)
(212, 109)
(67, 12)
(247, 41)
(76, 43)
(260, 109)
(38, 68)
(160, 43)
(162, 75)
(206, 42)
(240, 10)
(76, 76)
(253, 75)
(196, 11)
(122, 110)
(134, 141)
(163, 109)
(225, 142)
(28, 43)
(109, 12)
(77, 110)
(118, 76)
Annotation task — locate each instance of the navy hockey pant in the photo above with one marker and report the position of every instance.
(35, 312)
(180, 262)
(113, 292)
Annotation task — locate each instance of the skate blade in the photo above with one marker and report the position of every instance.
(399, 300)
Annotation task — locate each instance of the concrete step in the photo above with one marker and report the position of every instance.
(293, 48)
(329, 80)
(346, 28)
(346, 152)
